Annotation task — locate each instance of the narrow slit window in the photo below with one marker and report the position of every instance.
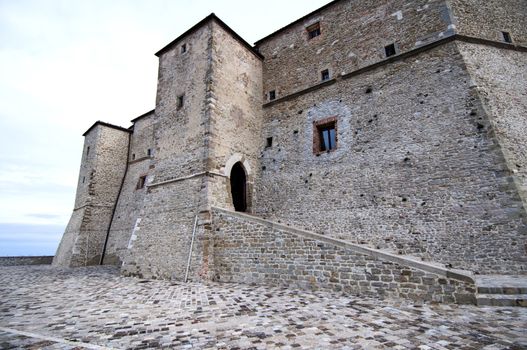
(269, 142)
(272, 95)
(389, 50)
(88, 150)
(180, 101)
(133, 156)
(141, 182)
(183, 48)
(325, 74)
(149, 152)
(313, 30)
(506, 37)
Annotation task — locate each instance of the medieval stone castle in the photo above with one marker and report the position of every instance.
(370, 146)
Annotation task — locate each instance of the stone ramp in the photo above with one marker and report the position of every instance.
(491, 290)
(250, 249)
(501, 290)
(407, 260)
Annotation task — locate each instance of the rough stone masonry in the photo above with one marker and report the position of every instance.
(399, 126)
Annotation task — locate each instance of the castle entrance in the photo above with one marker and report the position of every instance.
(239, 187)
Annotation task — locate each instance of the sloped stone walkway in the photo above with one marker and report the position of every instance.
(42, 307)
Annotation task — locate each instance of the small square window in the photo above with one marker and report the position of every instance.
(183, 48)
(180, 101)
(149, 152)
(325, 74)
(269, 142)
(506, 37)
(141, 182)
(313, 30)
(325, 135)
(272, 95)
(389, 50)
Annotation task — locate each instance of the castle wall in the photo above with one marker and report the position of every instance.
(101, 173)
(161, 237)
(67, 249)
(353, 35)
(236, 114)
(130, 203)
(160, 242)
(430, 157)
(487, 19)
(411, 161)
(500, 76)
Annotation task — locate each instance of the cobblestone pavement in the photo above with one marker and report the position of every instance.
(92, 308)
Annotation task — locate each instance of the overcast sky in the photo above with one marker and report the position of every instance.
(65, 64)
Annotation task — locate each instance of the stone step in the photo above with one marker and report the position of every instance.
(501, 290)
(501, 300)
(501, 284)
(507, 290)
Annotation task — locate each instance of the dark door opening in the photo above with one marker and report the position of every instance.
(238, 187)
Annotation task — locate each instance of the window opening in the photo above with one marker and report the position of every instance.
(328, 138)
(325, 74)
(88, 150)
(390, 50)
(183, 48)
(149, 152)
(180, 101)
(141, 182)
(313, 31)
(269, 142)
(507, 37)
(133, 156)
(325, 135)
(272, 95)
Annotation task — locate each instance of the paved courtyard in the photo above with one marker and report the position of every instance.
(94, 308)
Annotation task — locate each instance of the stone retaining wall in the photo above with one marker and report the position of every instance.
(25, 260)
(256, 251)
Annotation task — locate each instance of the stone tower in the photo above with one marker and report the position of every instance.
(102, 169)
(207, 119)
(207, 111)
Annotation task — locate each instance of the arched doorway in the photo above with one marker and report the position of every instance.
(239, 187)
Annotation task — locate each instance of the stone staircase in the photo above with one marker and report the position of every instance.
(500, 290)
(491, 290)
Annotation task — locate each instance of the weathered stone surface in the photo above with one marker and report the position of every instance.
(412, 171)
(488, 19)
(102, 170)
(252, 252)
(85, 308)
(130, 203)
(353, 36)
(429, 161)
